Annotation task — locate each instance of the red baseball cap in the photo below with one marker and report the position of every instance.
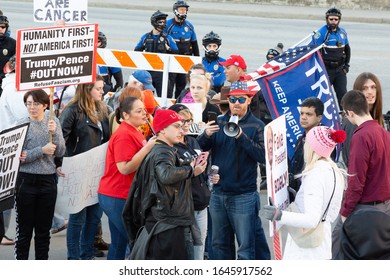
(234, 59)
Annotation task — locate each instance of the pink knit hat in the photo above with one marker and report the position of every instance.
(163, 118)
(323, 139)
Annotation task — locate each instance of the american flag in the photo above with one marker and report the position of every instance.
(287, 58)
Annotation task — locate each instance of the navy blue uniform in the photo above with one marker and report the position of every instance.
(218, 75)
(183, 33)
(150, 42)
(336, 54)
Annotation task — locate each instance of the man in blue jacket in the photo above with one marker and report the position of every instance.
(235, 201)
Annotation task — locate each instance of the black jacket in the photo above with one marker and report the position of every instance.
(160, 191)
(79, 132)
(200, 190)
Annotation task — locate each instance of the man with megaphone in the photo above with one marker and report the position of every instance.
(236, 145)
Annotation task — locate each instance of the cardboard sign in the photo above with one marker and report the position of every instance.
(70, 11)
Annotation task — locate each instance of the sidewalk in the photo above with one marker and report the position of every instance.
(254, 10)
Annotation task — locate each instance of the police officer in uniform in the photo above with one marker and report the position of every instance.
(108, 72)
(157, 41)
(212, 44)
(7, 46)
(183, 32)
(336, 52)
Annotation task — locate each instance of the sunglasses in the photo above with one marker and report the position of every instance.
(3, 26)
(233, 100)
(333, 19)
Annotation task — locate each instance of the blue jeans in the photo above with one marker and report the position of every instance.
(113, 208)
(80, 235)
(201, 221)
(234, 216)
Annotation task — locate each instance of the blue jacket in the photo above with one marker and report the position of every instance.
(237, 158)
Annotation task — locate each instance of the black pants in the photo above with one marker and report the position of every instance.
(34, 203)
(2, 232)
(338, 79)
(177, 83)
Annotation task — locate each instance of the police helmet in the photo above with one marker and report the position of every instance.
(4, 20)
(179, 4)
(211, 38)
(156, 17)
(103, 39)
(333, 12)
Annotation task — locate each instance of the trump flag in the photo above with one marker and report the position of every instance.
(290, 78)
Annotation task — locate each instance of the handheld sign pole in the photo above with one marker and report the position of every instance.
(51, 113)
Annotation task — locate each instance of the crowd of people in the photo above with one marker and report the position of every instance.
(179, 186)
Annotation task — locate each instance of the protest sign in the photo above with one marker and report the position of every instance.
(277, 162)
(11, 145)
(55, 56)
(78, 189)
(70, 11)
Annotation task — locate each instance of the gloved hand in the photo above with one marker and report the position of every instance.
(346, 68)
(271, 213)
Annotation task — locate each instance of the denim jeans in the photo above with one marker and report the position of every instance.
(113, 208)
(81, 231)
(234, 216)
(201, 221)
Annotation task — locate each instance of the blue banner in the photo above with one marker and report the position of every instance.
(285, 90)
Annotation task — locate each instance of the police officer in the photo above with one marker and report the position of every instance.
(183, 32)
(157, 41)
(212, 44)
(7, 46)
(108, 72)
(336, 52)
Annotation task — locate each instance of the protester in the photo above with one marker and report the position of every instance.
(318, 199)
(211, 61)
(157, 41)
(369, 84)
(126, 150)
(199, 87)
(162, 190)
(84, 123)
(185, 95)
(109, 72)
(235, 202)
(221, 100)
(188, 147)
(183, 33)
(235, 70)
(36, 187)
(12, 110)
(369, 159)
(312, 109)
(336, 52)
(271, 53)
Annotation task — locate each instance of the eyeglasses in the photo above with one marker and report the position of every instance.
(176, 125)
(32, 104)
(333, 19)
(3, 26)
(241, 99)
(344, 113)
(188, 122)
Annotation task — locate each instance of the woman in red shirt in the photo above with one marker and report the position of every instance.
(126, 150)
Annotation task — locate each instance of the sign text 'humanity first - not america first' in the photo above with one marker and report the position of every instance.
(56, 56)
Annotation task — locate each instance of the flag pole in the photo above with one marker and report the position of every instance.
(304, 39)
(51, 113)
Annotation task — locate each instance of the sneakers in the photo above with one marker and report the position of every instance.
(7, 241)
(100, 244)
(57, 230)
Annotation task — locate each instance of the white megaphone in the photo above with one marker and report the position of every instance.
(232, 129)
